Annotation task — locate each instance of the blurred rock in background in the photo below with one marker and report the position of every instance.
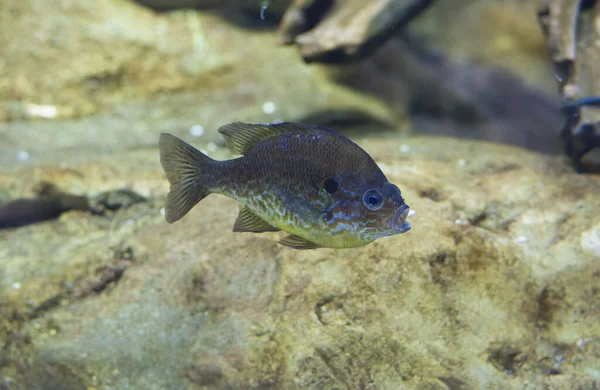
(468, 69)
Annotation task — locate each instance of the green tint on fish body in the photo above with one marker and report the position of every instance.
(309, 181)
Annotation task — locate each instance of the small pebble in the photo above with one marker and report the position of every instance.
(52, 332)
(268, 107)
(197, 131)
(22, 155)
(404, 148)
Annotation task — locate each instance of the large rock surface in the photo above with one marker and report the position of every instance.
(496, 286)
(81, 58)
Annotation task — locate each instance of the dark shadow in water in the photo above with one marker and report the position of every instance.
(591, 162)
(349, 122)
(461, 100)
(251, 19)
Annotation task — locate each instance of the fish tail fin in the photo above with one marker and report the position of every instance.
(183, 165)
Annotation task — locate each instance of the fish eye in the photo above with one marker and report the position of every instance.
(330, 185)
(373, 200)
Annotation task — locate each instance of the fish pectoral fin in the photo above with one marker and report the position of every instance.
(298, 242)
(240, 137)
(301, 208)
(247, 221)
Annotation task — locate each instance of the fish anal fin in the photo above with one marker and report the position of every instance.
(241, 137)
(247, 221)
(298, 242)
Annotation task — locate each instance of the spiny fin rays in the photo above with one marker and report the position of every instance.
(297, 242)
(247, 221)
(241, 137)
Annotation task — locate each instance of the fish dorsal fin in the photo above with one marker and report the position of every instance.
(247, 221)
(298, 242)
(241, 137)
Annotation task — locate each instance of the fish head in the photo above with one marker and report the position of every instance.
(368, 210)
(386, 211)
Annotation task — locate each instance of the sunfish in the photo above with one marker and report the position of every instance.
(309, 181)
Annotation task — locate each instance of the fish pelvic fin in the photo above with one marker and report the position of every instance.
(247, 221)
(241, 137)
(183, 165)
(298, 242)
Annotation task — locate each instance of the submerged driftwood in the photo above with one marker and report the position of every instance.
(328, 31)
(573, 30)
(51, 203)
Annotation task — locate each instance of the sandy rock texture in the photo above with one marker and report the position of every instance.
(496, 286)
(76, 58)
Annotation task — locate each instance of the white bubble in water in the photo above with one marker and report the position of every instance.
(521, 239)
(16, 286)
(162, 211)
(197, 131)
(22, 155)
(268, 107)
(211, 146)
(41, 111)
(462, 162)
(404, 148)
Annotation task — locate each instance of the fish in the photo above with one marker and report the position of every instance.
(309, 181)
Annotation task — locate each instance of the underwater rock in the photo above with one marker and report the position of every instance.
(83, 58)
(490, 289)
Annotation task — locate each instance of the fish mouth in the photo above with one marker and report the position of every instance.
(398, 221)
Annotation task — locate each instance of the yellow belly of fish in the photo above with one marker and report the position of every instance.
(269, 209)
